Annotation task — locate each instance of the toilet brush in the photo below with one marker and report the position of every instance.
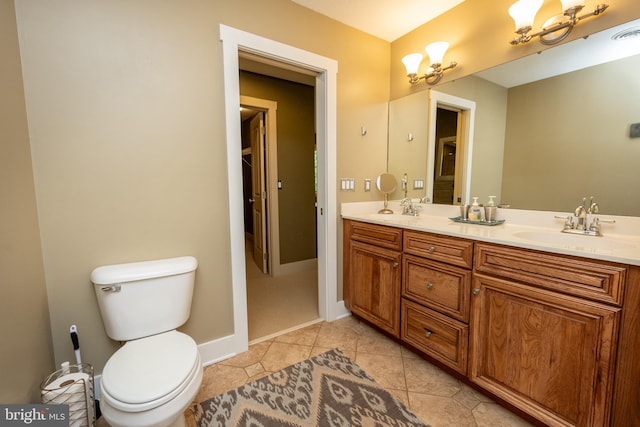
(76, 344)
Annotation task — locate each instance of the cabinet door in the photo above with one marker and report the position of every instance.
(374, 285)
(549, 354)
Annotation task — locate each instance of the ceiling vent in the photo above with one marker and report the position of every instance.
(627, 34)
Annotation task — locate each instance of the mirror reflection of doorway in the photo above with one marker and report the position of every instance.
(279, 181)
(444, 172)
(449, 117)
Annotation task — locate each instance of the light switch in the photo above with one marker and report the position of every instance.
(347, 184)
(367, 184)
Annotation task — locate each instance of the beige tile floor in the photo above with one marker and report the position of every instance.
(438, 398)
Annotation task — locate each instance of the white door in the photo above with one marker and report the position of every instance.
(259, 194)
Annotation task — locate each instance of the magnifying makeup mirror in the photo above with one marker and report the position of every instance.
(386, 183)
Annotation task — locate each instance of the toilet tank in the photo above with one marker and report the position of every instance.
(140, 299)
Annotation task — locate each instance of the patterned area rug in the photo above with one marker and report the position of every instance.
(325, 390)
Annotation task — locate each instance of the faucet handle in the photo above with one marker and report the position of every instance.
(608, 221)
(568, 221)
(595, 224)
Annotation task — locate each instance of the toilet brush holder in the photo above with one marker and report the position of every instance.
(73, 386)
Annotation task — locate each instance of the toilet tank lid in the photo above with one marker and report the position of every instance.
(130, 272)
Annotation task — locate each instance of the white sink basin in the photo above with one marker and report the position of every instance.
(574, 240)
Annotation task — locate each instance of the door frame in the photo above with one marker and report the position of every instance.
(325, 69)
(270, 108)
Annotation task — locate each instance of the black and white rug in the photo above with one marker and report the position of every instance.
(325, 390)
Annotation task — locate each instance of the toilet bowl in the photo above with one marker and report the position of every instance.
(151, 381)
(156, 374)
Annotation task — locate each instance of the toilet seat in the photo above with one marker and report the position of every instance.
(148, 372)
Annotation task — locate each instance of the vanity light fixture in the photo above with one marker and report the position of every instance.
(434, 73)
(556, 28)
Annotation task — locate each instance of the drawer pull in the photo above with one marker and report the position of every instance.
(429, 285)
(476, 291)
(431, 249)
(427, 333)
(395, 265)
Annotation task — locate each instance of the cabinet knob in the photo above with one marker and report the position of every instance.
(476, 291)
(427, 333)
(429, 285)
(431, 249)
(395, 264)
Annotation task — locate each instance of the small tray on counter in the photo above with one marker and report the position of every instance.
(468, 221)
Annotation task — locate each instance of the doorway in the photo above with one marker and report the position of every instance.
(278, 187)
(233, 42)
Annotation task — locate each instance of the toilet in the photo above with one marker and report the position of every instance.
(156, 374)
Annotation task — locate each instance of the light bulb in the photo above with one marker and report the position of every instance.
(436, 51)
(412, 63)
(524, 12)
(568, 4)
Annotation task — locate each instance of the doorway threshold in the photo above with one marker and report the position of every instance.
(286, 331)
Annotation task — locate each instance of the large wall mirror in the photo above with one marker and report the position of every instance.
(550, 128)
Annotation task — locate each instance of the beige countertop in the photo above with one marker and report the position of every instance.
(539, 230)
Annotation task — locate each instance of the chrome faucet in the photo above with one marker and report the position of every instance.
(581, 214)
(581, 225)
(408, 208)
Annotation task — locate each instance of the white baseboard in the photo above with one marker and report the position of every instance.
(217, 350)
(340, 310)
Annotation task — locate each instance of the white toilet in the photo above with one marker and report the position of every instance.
(156, 374)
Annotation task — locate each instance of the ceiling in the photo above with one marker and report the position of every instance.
(385, 19)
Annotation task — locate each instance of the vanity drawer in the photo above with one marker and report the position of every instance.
(378, 235)
(438, 336)
(438, 286)
(596, 280)
(439, 248)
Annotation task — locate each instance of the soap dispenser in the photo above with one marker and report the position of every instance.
(490, 210)
(475, 213)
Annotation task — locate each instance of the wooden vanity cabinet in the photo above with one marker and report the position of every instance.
(436, 284)
(372, 273)
(555, 336)
(537, 341)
